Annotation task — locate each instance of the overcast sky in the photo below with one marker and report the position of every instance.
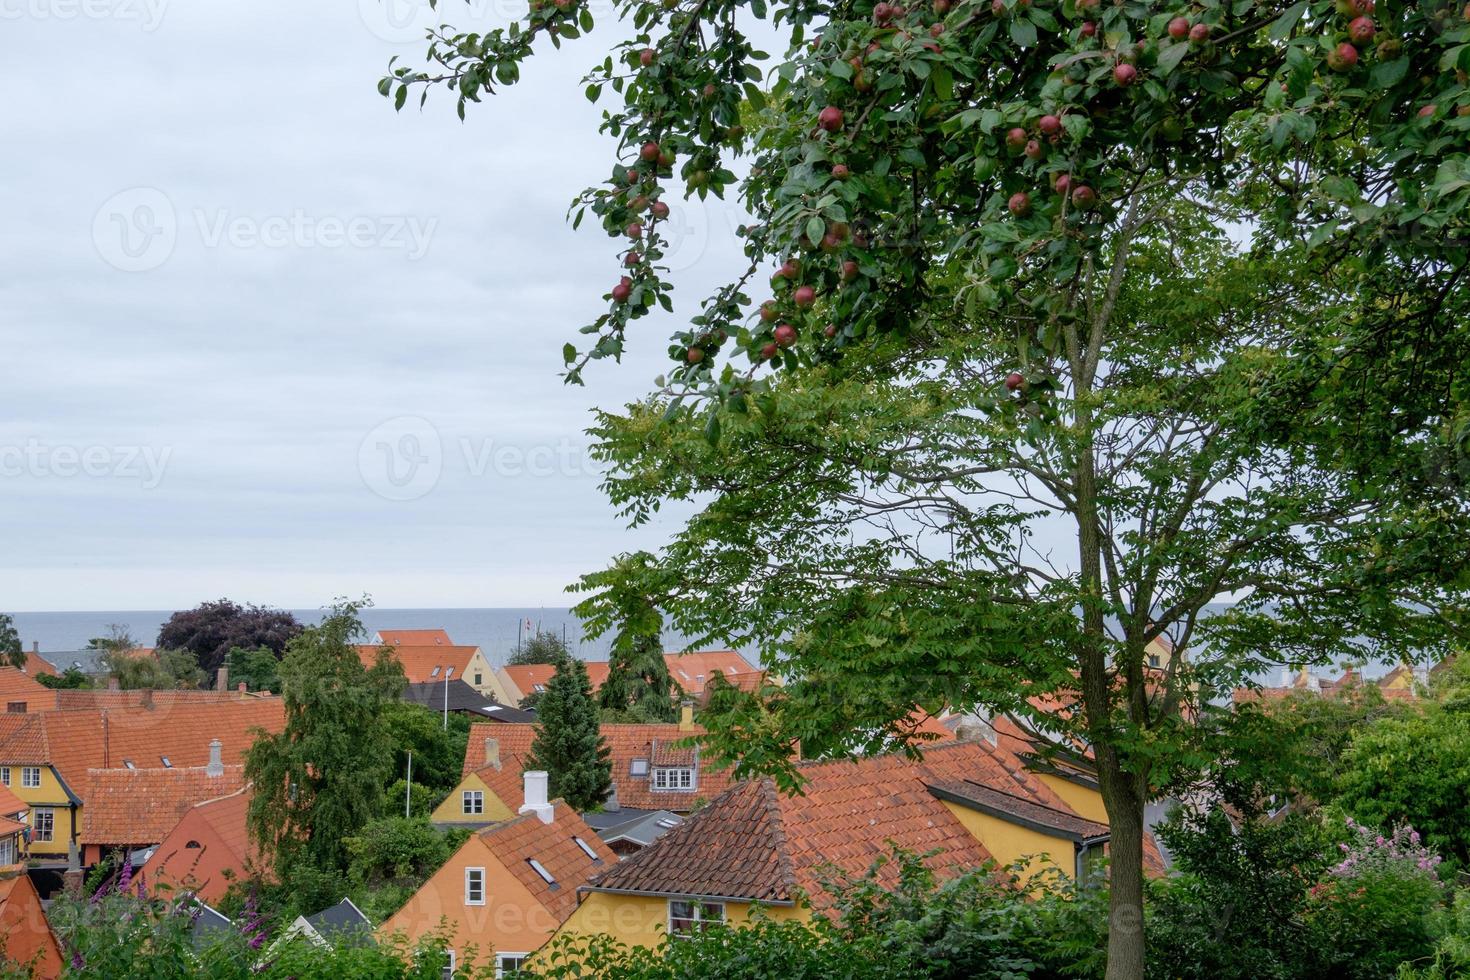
(264, 338)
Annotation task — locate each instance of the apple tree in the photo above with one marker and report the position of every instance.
(1060, 323)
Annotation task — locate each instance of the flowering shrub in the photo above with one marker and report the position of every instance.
(1371, 853)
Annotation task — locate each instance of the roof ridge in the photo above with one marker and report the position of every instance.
(778, 830)
(1069, 812)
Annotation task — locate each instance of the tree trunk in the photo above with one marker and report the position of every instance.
(1125, 868)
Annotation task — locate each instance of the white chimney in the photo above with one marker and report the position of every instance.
(216, 767)
(536, 796)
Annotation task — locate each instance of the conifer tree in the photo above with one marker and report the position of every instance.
(569, 743)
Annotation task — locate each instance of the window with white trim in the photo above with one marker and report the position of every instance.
(673, 779)
(43, 824)
(7, 851)
(30, 777)
(448, 973)
(687, 918)
(472, 801)
(509, 964)
(4, 775)
(474, 886)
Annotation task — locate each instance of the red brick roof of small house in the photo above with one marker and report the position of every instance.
(208, 847)
(141, 806)
(657, 744)
(23, 925)
(422, 664)
(528, 677)
(415, 638)
(22, 689)
(76, 741)
(755, 843)
(691, 671)
(516, 841)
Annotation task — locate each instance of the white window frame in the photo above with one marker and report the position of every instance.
(7, 851)
(481, 873)
(674, 779)
(698, 911)
(448, 973)
(30, 777)
(501, 966)
(4, 775)
(49, 834)
(472, 796)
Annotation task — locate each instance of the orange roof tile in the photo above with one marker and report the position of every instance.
(23, 924)
(81, 700)
(75, 741)
(527, 677)
(208, 847)
(141, 806)
(515, 842)
(10, 804)
(422, 663)
(36, 664)
(693, 670)
(415, 638)
(625, 743)
(18, 687)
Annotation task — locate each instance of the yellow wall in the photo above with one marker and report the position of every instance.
(491, 684)
(452, 809)
(1086, 801)
(641, 920)
(1009, 842)
(48, 794)
(511, 920)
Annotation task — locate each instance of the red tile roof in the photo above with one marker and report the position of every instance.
(23, 924)
(36, 664)
(18, 687)
(10, 804)
(516, 841)
(141, 806)
(691, 671)
(415, 638)
(82, 700)
(75, 741)
(223, 848)
(527, 677)
(422, 663)
(655, 743)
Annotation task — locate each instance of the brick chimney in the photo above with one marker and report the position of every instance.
(216, 767)
(535, 791)
(492, 752)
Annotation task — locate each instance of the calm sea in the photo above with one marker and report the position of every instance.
(496, 631)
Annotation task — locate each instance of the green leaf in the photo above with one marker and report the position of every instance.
(755, 97)
(816, 228)
(1023, 32)
(1387, 74)
(1170, 57)
(568, 353)
(1284, 24)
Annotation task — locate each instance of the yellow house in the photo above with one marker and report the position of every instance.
(509, 887)
(53, 811)
(428, 656)
(965, 804)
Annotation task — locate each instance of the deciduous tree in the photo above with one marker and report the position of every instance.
(11, 653)
(212, 629)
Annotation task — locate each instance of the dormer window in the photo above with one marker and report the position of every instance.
(673, 779)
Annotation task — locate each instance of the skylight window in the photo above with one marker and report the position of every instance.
(585, 849)
(639, 767)
(540, 869)
(166, 764)
(668, 823)
(129, 763)
(434, 672)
